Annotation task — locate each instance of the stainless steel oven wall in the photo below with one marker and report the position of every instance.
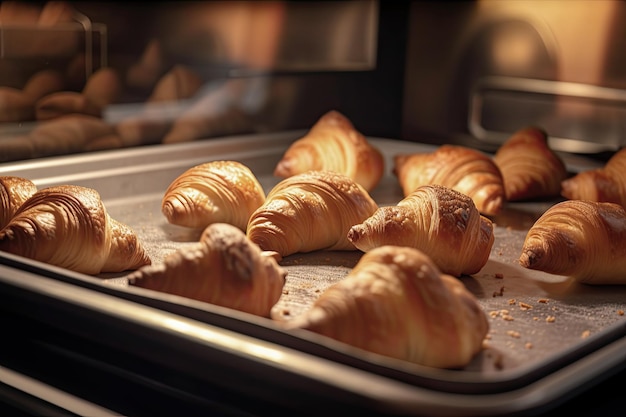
(477, 71)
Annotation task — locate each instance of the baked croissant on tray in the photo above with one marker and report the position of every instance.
(223, 268)
(461, 168)
(396, 302)
(68, 226)
(585, 240)
(308, 212)
(14, 191)
(213, 192)
(334, 144)
(530, 168)
(439, 221)
(606, 184)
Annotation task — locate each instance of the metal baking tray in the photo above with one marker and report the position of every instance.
(550, 338)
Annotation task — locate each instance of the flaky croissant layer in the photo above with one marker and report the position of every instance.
(68, 226)
(441, 222)
(606, 184)
(334, 144)
(463, 169)
(585, 240)
(310, 211)
(14, 191)
(213, 192)
(223, 268)
(530, 168)
(395, 302)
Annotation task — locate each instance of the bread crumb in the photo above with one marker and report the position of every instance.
(512, 301)
(528, 345)
(543, 300)
(499, 293)
(514, 334)
(550, 319)
(585, 334)
(620, 312)
(508, 318)
(525, 306)
(499, 275)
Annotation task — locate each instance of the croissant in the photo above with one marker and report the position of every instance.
(333, 144)
(193, 124)
(308, 212)
(213, 192)
(463, 169)
(223, 268)
(14, 191)
(71, 133)
(43, 83)
(529, 167)
(68, 226)
(153, 120)
(395, 302)
(101, 89)
(439, 221)
(585, 240)
(150, 66)
(178, 83)
(606, 184)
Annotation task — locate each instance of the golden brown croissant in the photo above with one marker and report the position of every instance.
(224, 268)
(192, 124)
(213, 192)
(463, 169)
(154, 119)
(439, 221)
(43, 83)
(585, 240)
(530, 168)
(395, 302)
(150, 66)
(333, 144)
(14, 191)
(178, 83)
(102, 88)
(310, 211)
(71, 133)
(606, 184)
(68, 226)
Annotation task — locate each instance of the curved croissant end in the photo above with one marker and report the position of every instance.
(310, 211)
(333, 144)
(463, 169)
(530, 168)
(214, 192)
(438, 221)
(14, 191)
(68, 226)
(585, 240)
(224, 268)
(395, 302)
(606, 184)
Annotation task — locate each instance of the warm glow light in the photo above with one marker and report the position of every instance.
(222, 338)
(581, 28)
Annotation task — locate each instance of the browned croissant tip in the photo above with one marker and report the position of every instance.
(284, 168)
(355, 233)
(529, 258)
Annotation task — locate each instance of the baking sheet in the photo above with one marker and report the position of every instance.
(539, 323)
